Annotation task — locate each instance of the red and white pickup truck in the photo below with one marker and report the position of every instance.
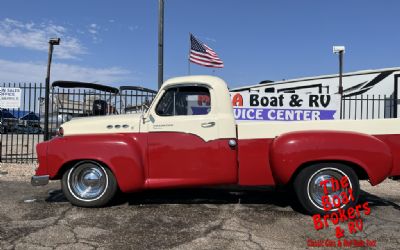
(175, 145)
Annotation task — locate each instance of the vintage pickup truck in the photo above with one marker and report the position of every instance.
(176, 144)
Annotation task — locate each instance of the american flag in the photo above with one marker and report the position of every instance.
(203, 55)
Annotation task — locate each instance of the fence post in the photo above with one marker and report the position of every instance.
(395, 94)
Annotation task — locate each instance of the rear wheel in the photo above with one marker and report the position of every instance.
(312, 195)
(89, 184)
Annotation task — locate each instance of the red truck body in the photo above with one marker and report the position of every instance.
(168, 157)
(259, 162)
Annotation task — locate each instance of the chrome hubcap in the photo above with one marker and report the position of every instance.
(88, 181)
(316, 190)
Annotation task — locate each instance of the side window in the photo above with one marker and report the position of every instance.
(192, 100)
(165, 106)
(269, 90)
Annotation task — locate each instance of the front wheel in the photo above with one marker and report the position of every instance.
(89, 184)
(320, 186)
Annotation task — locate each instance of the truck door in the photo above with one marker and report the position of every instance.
(183, 144)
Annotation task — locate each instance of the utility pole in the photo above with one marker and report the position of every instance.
(52, 42)
(340, 50)
(341, 72)
(160, 43)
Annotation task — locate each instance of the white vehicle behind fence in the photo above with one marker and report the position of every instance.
(377, 90)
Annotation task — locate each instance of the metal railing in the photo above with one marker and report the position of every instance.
(21, 129)
(364, 107)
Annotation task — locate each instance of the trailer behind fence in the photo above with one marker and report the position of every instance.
(21, 129)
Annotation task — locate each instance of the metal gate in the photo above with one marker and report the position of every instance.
(361, 107)
(21, 129)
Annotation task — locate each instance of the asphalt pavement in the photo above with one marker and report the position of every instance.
(205, 218)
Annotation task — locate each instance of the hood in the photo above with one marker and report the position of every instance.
(102, 125)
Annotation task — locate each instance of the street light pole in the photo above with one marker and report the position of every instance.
(341, 72)
(52, 42)
(160, 43)
(340, 50)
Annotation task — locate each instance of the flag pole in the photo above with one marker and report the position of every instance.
(190, 45)
(188, 66)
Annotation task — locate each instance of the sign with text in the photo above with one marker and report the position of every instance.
(10, 98)
(284, 107)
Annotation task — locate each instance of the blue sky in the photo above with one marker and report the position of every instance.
(115, 42)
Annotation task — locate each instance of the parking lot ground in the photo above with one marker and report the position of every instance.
(205, 218)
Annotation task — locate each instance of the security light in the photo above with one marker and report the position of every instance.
(338, 49)
(54, 41)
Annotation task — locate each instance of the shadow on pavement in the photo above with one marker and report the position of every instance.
(207, 196)
(56, 196)
(375, 201)
(217, 196)
(195, 196)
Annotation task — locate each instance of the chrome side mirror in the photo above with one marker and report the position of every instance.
(145, 107)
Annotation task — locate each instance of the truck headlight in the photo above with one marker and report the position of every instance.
(60, 131)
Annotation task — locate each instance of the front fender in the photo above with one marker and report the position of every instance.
(124, 154)
(292, 150)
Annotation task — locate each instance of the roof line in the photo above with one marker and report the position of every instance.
(360, 72)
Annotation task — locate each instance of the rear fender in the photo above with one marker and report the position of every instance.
(124, 154)
(295, 149)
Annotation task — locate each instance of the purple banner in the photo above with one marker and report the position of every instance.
(260, 114)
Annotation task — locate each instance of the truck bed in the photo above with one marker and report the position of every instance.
(254, 130)
(385, 130)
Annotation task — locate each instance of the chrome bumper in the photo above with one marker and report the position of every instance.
(39, 180)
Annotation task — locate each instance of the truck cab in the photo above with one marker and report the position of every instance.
(191, 134)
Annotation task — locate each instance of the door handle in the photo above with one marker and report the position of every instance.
(208, 124)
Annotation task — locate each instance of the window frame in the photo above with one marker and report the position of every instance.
(177, 87)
